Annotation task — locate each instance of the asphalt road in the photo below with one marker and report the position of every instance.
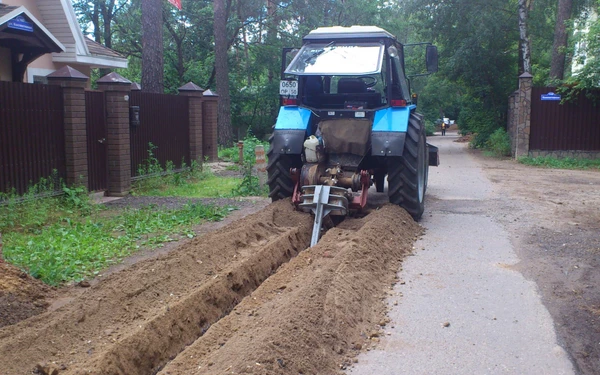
(460, 308)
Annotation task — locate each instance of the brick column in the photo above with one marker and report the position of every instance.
(73, 85)
(209, 125)
(194, 94)
(116, 94)
(523, 125)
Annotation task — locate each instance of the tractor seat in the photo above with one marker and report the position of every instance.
(351, 86)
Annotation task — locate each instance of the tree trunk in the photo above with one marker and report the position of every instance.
(271, 37)
(152, 46)
(524, 46)
(225, 131)
(563, 14)
(96, 22)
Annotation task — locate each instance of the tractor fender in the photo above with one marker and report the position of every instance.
(389, 131)
(387, 143)
(290, 130)
(288, 141)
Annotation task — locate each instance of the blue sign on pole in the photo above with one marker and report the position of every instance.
(550, 96)
(19, 23)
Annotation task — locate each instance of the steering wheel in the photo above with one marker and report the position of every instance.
(369, 81)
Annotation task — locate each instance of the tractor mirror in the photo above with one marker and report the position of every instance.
(431, 59)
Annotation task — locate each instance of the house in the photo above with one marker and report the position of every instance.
(38, 37)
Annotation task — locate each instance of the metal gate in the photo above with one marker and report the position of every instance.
(569, 126)
(32, 136)
(95, 115)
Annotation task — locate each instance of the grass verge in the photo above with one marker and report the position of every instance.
(560, 163)
(68, 238)
(208, 186)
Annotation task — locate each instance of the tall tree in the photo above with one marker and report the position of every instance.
(225, 131)
(563, 14)
(524, 43)
(152, 46)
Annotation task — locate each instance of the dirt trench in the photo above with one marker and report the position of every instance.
(205, 307)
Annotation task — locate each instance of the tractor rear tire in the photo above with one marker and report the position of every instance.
(407, 174)
(280, 181)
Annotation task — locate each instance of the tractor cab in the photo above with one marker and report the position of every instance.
(347, 120)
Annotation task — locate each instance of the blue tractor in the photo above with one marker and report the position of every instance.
(347, 121)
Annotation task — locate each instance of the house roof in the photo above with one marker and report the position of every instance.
(60, 18)
(20, 30)
(98, 49)
(5, 9)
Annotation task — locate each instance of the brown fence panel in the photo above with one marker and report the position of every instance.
(95, 115)
(164, 122)
(570, 126)
(32, 143)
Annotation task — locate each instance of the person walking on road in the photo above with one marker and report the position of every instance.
(444, 128)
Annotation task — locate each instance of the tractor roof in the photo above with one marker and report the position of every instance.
(352, 32)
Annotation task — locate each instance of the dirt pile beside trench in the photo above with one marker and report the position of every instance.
(317, 312)
(135, 320)
(21, 296)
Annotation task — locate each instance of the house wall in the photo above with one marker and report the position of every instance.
(60, 20)
(5, 65)
(44, 65)
(31, 6)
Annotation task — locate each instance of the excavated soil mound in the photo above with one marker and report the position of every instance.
(317, 312)
(244, 299)
(135, 320)
(21, 296)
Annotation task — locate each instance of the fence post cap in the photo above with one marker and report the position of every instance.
(67, 73)
(208, 92)
(136, 87)
(112, 78)
(190, 86)
(526, 75)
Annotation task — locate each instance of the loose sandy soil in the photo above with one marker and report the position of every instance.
(247, 297)
(204, 306)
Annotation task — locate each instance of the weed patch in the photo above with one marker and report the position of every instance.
(232, 153)
(75, 248)
(561, 163)
(499, 143)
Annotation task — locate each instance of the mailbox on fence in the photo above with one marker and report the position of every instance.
(134, 116)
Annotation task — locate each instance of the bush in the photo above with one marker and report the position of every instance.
(429, 128)
(231, 154)
(499, 143)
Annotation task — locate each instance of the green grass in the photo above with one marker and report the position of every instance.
(59, 239)
(561, 163)
(209, 186)
(76, 247)
(232, 153)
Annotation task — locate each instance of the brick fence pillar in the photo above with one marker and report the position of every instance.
(73, 85)
(116, 93)
(523, 125)
(209, 125)
(194, 93)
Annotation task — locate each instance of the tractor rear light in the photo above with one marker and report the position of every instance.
(398, 103)
(290, 102)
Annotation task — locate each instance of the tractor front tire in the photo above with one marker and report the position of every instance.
(280, 181)
(407, 174)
